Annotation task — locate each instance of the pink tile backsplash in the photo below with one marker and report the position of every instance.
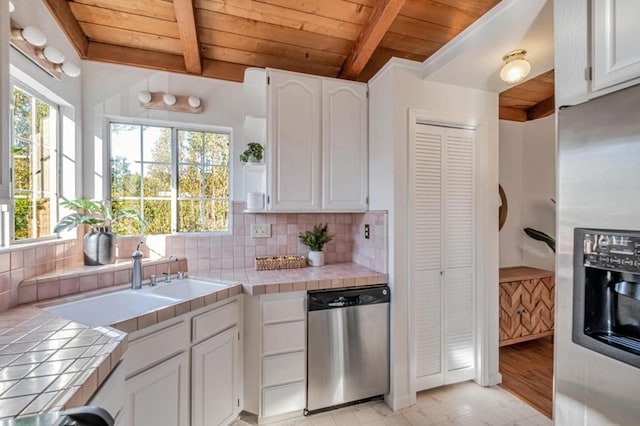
(203, 253)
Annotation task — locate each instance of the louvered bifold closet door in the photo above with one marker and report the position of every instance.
(441, 203)
(459, 259)
(426, 251)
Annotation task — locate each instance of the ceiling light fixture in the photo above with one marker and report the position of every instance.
(11, 7)
(516, 67)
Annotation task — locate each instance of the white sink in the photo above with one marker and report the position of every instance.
(187, 288)
(110, 308)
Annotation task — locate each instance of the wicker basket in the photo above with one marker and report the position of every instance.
(280, 262)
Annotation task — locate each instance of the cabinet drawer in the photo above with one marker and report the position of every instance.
(284, 337)
(283, 310)
(283, 368)
(151, 349)
(283, 399)
(215, 321)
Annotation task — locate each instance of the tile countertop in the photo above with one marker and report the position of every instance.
(336, 275)
(48, 363)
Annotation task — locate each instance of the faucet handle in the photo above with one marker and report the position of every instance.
(180, 275)
(167, 277)
(153, 280)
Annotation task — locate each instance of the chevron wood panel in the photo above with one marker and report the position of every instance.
(526, 309)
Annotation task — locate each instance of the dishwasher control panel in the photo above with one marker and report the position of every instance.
(342, 298)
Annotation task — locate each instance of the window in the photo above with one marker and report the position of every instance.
(179, 179)
(34, 165)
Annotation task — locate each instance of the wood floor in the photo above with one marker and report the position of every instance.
(527, 372)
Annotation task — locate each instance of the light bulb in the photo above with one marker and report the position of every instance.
(11, 7)
(194, 101)
(169, 99)
(53, 54)
(34, 36)
(144, 96)
(71, 69)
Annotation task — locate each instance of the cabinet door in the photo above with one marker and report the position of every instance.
(159, 396)
(615, 34)
(344, 145)
(293, 148)
(215, 364)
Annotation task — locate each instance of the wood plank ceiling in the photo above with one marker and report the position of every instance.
(349, 39)
(529, 100)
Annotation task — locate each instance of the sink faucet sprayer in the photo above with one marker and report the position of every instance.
(136, 273)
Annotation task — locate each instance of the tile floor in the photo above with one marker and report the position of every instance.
(460, 404)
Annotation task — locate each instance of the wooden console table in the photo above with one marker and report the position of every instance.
(527, 304)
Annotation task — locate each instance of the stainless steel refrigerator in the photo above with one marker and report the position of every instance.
(598, 187)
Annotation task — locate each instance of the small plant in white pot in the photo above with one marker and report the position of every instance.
(315, 240)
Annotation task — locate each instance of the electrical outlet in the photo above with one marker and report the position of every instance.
(366, 231)
(260, 230)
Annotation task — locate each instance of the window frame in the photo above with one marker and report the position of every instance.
(13, 83)
(174, 128)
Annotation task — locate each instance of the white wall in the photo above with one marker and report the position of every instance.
(538, 188)
(511, 147)
(111, 91)
(589, 388)
(402, 87)
(527, 174)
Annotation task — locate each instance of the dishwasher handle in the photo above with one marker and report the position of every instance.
(334, 299)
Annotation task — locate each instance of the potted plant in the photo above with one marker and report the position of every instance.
(253, 154)
(315, 240)
(99, 242)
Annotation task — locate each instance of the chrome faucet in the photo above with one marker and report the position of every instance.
(167, 275)
(136, 272)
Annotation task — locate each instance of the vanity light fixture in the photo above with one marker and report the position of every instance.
(169, 102)
(32, 43)
(516, 67)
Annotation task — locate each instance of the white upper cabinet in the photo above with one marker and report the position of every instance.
(344, 145)
(615, 34)
(317, 143)
(294, 148)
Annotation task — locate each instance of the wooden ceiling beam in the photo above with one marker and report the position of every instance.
(186, 18)
(104, 52)
(542, 109)
(512, 114)
(384, 13)
(61, 12)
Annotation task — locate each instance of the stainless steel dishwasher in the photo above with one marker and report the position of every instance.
(347, 346)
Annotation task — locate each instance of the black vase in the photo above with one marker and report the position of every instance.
(99, 247)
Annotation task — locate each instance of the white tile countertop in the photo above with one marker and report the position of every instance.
(48, 363)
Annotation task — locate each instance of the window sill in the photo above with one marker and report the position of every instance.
(36, 243)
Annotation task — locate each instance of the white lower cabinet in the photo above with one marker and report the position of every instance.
(186, 370)
(160, 396)
(275, 355)
(215, 386)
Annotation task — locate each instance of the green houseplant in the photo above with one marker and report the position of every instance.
(100, 241)
(315, 240)
(253, 154)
